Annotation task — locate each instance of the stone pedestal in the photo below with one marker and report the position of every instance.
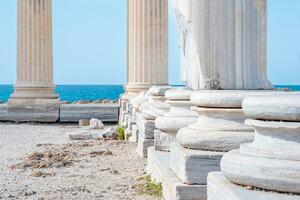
(179, 116)
(34, 98)
(158, 166)
(271, 162)
(192, 166)
(219, 128)
(153, 108)
(162, 140)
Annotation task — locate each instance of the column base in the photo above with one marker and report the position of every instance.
(193, 166)
(146, 127)
(219, 188)
(33, 110)
(134, 134)
(173, 188)
(137, 88)
(163, 140)
(142, 146)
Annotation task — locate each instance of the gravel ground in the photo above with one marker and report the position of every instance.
(39, 162)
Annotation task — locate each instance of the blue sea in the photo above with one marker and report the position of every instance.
(92, 92)
(75, 92)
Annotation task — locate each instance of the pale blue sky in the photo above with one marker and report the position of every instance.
(90, 42)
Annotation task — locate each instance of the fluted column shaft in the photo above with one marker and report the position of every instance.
(147, 59)
(34, 99)
(223, 43)
(34, 56)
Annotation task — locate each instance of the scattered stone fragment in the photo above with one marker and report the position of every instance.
(29, 193)
(97, 101)
(114, 172)
(84, 122)
(249, 187)
(109, 133)
(82, 135)
(41, 174)
(83, 102)
(96, 124)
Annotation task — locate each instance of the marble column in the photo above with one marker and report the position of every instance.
(223, 43)
(147, 49)
(34, 98)
(147, 59)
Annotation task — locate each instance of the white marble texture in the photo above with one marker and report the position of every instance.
(173, 188)
(272, 160)
(193, 166)
(267, 107)
(219, 188)
(223, 43)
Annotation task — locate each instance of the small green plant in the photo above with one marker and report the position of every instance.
(121, 133)
(147, 186)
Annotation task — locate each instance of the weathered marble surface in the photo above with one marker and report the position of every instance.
(193, 166)
(142, 146)
(159, 90)
(216, 130)
(272, 160)
(155, 107)
(219, 188)
(275, 107)
(223, 43)
(163, 141)
(134, 134)
(225, 98)
(36, 110)
(75, 112)
(280, 175)
(3, 112)
(179, 94)
(173, 188)
(180, 114)
(146, 128)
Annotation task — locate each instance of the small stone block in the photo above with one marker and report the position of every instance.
(163, 141)
(146, 128)
(193, 166)
(143, 145)
(173, 188)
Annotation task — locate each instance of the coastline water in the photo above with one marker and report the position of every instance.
(92, 92)
(75, 92)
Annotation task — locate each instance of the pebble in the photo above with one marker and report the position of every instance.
(96, 124)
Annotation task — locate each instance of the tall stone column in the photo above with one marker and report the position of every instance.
(147, 62)
(223, 43)
(34, 98)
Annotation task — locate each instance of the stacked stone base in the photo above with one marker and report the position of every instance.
(143, 145)
(33, 110)
(173, 188)
(76, 112)
(193, 166)
(219, 188)
(145, 136)
(163, 141)
(134, 134)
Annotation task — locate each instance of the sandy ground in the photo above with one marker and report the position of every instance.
(63, 169)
